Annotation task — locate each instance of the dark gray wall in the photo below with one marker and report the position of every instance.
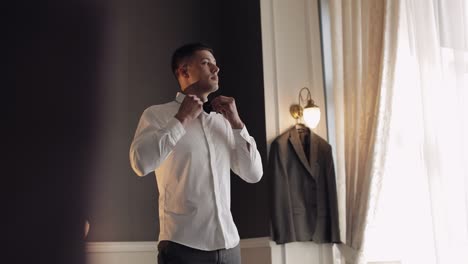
(139, 40)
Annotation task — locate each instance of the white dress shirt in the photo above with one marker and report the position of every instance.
(192, 167)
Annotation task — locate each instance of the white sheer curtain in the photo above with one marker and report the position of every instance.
(422, 216)
(364, 42)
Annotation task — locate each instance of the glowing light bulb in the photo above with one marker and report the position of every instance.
(311, 115)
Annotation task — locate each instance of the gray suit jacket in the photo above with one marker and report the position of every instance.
(303, 192)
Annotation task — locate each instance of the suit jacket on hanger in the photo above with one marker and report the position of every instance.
(303, 196)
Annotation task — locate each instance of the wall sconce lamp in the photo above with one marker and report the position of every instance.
(310, 113)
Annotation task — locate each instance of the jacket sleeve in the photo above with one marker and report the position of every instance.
(154, 140)
(280, 200)
(245, 158)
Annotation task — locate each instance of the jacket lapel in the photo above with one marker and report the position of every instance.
(313, 154)
(297, 146)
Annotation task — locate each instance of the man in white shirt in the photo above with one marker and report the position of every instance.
(192, 152)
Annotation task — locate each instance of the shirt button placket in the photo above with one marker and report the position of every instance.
(215, 178)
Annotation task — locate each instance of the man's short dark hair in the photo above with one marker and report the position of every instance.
(184, 52)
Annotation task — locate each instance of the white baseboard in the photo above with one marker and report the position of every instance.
(141, 246)
(258, 242)
(145, 252)
(124, 246)
(141, 252)
(261, 250)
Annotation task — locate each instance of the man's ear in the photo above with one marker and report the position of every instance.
(183, 71)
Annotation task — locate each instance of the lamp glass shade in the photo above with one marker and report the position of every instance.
(311, 116)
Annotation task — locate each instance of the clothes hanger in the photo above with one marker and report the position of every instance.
(296, 111)
(301, 127)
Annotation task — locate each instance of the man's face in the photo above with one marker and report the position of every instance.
(201, 68)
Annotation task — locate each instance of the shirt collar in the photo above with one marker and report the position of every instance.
(179, 97)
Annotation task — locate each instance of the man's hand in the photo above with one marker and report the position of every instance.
(190, 108)
(227, 107)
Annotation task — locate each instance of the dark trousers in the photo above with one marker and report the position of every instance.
(173, 253)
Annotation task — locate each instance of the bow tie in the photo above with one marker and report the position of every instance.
(207, 107)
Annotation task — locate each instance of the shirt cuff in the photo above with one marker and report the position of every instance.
(175, 128)
(240, 134)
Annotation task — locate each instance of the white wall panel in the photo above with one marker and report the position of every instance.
(292, 60)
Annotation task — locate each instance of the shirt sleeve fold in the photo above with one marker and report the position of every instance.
(153, 142)
(246, 161)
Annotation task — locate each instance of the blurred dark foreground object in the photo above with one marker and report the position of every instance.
(53, 64)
